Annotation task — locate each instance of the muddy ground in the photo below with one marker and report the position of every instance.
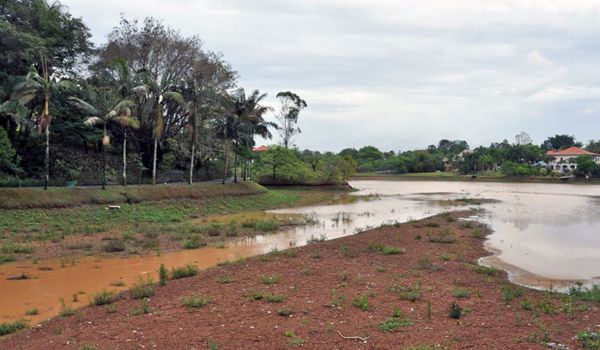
(336, 295)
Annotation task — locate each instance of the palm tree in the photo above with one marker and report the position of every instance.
(249, 121)
(40, 86)
(102, 109)
(158, 93)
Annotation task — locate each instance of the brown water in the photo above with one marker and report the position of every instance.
(544, 235)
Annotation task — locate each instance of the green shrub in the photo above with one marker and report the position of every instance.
(193, 242)
(362, 302)
(589, 340)
(103, 297)
(274, 298)
(184, 272)
(461, 293)
(393, 324)
(163, 275)
(32, 312)
(490, 271)
(114, 246)
(270, 279)
(195, 301)
(142, 288)
(7, 328)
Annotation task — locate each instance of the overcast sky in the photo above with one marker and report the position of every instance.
(401, 74)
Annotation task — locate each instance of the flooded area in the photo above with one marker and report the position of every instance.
(543, 234)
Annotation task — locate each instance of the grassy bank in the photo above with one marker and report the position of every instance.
(451, 176)
(410, 286)
(148, 226)
(27, 198)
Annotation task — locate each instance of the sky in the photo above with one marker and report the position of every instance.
(400, 74)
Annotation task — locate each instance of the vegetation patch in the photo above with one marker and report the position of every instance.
(184, 272)
(7, 328)
(195, 301)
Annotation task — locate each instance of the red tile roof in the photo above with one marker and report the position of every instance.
(261, 149)
(571, 151)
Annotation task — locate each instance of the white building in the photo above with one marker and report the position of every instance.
(563, 161)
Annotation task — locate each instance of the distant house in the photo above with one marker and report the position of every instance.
(563, 161)
(261, 149)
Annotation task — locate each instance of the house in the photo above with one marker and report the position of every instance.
(563, 161)
(261, 149)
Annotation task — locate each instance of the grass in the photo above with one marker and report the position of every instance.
(224, 279)
(394, 324)
(489, 271)
(27, 198)
(183, 219)
(286, 312)
(274, 298)
(589, 340)
(589, 294)
(386, 250)
(461, 293)
(410, 293)
(65, 310)
(184, 272)
(195, 301)
(7, 328)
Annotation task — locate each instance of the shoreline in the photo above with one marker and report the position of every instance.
(349, 286)
(467, 178)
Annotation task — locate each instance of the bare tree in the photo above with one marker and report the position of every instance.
(291, 105)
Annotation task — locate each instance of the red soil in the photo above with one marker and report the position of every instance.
(346, 267)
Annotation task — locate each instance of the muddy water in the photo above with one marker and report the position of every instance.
(543, 234)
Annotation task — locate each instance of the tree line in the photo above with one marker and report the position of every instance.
(150, 96)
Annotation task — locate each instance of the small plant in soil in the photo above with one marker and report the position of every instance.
(394, 324)
(290, 253)
(348, 252)
(432, 224)
(313, 239)
(163, 275)
(484, 270)
(444, 237)
(103, 297)
(386, 250)
(7, 328)
(184, 272)
(509, 293)
(362, 302)
(118, 283)
(32, 312)
(455, 311)
(526, 305)
(285, 311)
(195, 301)
(270, 279)
(143, 309)
(410, 293)
(337, 300)
(461, 293)
(274, 298)
(224, 279)
(587, 339)
(65, 310)
(142, 288)
(213, 345)
(478, 233)
(114, 246)
(193, 242)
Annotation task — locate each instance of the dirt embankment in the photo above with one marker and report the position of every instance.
(391, 286)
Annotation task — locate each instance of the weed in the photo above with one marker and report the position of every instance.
(225, 279)
(467, 224)
(212, 345)
(385, 250)
(65, 310)
(393, 324)
(587, 339)
(296, 342)
(432, 224)
(316, 255)
(285, 311)
(113, 246)
(489, 271)
(7, 328)
(546, 307)
(478, 233)
(407, 292)
(362, 302)
(589, 294)
(274, 298)
(142, 288)
(103, 297)
(193, 242)
(348, 251)
(270, 279)
(32, 312)
(461, 293)
(195, 301)
(444, 237)
(118, 283)
(428, 309)
(526, 305)
(290, 253)
(509, 293)
(337, 300)
(289, 334)
(184, 272)
(313, 239)
(163, 275)
(418, 237)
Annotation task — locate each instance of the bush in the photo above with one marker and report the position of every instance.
(142, 288)
(7, 328)
(184, 272)
(195, 301)
(114, 246)
(103, 297)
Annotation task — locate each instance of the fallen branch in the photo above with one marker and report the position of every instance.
(356, 337)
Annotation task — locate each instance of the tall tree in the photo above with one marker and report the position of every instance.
(102, 108)
(291, 106)
(557, 142)
(40, 87)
